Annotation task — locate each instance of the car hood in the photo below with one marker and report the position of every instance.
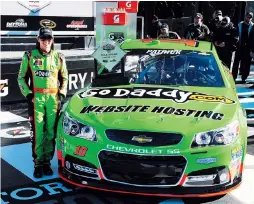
(153, 108)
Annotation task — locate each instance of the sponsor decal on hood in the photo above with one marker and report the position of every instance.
(176, 95)
(155, 109)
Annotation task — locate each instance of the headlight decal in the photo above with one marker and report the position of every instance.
(73, 127)
(220, 136)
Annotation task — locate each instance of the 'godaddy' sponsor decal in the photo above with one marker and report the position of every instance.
(42, 73)
(178, 96)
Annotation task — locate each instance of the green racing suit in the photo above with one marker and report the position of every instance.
(48, 77)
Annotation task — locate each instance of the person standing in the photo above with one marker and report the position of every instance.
(252, 47)
(197, 30)
(215, 21)
(225, 39)
(165, 34)
(156, 26)
(48, 75)
(242, 55)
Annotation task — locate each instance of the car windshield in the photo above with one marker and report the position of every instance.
(173, 67)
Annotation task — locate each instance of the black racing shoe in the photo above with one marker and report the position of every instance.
(47, 169)
(243, 81)
(38, 171)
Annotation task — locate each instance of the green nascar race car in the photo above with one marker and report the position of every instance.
(165, 121)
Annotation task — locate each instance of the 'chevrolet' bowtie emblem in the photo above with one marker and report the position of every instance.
(142, 139)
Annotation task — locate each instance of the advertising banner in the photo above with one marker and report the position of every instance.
(57, 23)
(129, 6)
(114, 18)
(116, 23)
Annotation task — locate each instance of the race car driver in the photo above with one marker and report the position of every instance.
(47, 72)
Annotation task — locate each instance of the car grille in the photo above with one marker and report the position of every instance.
(142, 170)
(158, 138)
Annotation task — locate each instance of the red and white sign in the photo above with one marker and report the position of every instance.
(114, 18)
(34, 6)
(129, 6)
(76, 24)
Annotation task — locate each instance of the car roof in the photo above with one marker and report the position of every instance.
(176, 44)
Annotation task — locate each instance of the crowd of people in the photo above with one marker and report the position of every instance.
(227, 38)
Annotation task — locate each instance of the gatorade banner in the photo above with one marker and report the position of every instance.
(116, 20)
(128, 6)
